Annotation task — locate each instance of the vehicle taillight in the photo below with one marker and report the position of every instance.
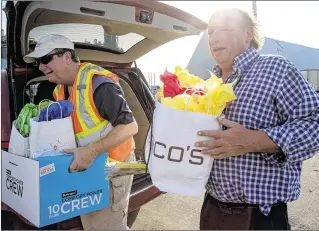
(4, 144)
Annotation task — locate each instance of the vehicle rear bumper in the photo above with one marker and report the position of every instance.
(140, 198)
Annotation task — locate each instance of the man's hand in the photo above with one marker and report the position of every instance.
(237, 140)
(83, 158)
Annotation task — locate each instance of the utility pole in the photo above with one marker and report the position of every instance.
(254, 5)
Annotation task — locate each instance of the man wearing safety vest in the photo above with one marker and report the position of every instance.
(102, 120)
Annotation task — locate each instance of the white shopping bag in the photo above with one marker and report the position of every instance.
(174, 162)
(18, 144)
(49, 138)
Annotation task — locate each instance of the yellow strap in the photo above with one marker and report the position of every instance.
(87, 103)
(88, 82)
(88, 132)
(56, 92)
(77, 97)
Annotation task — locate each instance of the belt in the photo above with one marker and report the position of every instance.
(237, 208)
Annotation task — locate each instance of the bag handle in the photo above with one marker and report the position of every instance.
(151, 141)
(48, 110)
(42, 102)
(28, 153)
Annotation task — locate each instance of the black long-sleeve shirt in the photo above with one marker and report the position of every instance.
(109, 100)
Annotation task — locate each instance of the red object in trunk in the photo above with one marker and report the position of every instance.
(171, 86)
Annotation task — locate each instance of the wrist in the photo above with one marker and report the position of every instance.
(95, 149)
(256, 140)
(251, 141)
(262, 142)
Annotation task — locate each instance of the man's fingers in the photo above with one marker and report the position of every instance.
(73, 166)
(213, 151)
(222, 156)
(209, 143)
(216, 153)
(227, 123)
(81, 166)
(69, 151)
(80, 169)
(214, 134)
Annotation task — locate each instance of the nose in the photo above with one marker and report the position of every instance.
(213, 39)
(42, 67)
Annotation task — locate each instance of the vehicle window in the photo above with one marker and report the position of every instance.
(87, 34)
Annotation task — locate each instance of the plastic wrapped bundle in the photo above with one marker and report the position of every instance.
(29, 111)
(57, 110)
(115, 168)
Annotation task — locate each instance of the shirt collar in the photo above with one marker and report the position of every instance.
(241, 62)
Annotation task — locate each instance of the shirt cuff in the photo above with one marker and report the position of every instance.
(282, 140)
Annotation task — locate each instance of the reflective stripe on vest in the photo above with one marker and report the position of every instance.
(99, 132)
(84, 94)
(58, 92)
(88, 125)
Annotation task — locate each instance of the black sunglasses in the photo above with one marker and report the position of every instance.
(48, 58)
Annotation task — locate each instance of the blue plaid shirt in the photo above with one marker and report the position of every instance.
(273, 96)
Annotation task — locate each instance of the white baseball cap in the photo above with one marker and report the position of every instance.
(47, 44)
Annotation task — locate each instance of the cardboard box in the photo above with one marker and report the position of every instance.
(44, 192)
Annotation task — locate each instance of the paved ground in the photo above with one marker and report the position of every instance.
(175, 212)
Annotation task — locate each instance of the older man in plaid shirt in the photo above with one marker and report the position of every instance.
(270, 129)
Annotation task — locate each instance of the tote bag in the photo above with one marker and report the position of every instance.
(49, 138)
(175, 164)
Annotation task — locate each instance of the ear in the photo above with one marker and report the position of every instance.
(249, 35)
(67, 57)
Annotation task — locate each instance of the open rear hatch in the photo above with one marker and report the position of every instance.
(117, 32)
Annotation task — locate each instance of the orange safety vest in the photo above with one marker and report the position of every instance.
(88, 125)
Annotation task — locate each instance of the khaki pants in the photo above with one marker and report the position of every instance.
(113, 217)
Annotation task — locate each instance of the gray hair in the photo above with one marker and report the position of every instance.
(74, 57)
(249, 21)
(257, 41)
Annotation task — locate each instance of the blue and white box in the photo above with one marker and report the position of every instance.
(45, 192)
